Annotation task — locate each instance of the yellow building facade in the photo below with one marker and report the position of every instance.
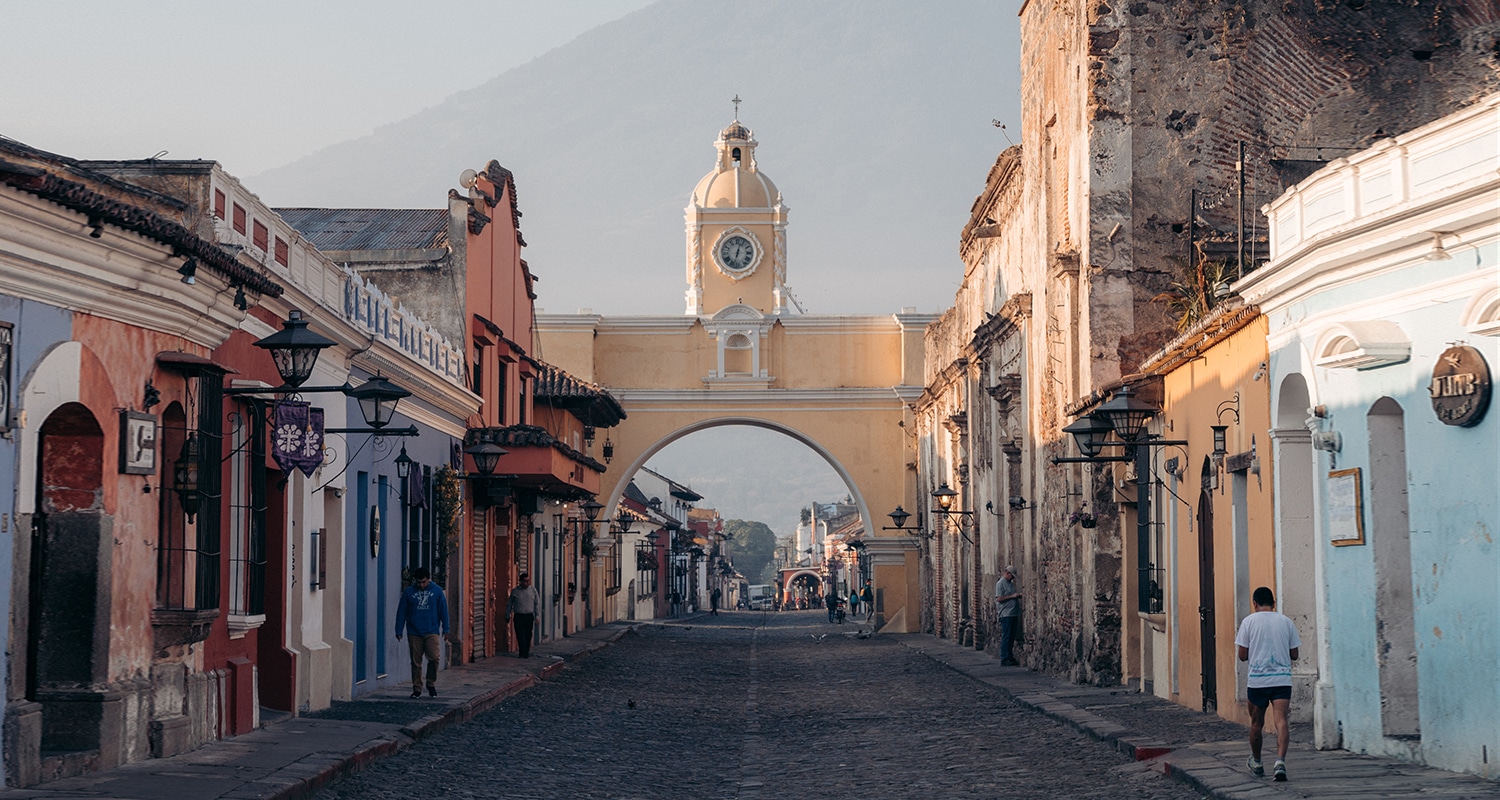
(1214, 533)
(840, 384)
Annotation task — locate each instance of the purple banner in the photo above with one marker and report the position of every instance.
(297, 437)
(416, 487)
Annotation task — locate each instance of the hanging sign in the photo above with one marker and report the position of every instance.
(1460, 387)
(297, 440)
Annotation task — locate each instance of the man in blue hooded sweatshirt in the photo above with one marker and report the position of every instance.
(422, 613)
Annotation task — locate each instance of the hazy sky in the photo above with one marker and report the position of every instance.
(256, 85)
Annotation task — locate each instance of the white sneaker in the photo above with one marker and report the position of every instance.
(1255, 766)
(1279, 771)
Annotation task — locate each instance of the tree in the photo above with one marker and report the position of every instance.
(755, 544)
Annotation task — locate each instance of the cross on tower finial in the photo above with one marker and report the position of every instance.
(736, 102)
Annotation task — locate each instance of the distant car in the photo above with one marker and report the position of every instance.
(759, 598)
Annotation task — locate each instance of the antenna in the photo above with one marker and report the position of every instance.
(736, 102)
(467, 178)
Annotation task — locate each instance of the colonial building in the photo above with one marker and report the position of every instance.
(115, 568)
(533, 425)
(1119, 220)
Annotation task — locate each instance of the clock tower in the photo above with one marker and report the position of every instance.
(736, 232)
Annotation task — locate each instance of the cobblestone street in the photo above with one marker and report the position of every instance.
(750, 705)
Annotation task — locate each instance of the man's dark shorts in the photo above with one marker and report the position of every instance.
(1261, 696)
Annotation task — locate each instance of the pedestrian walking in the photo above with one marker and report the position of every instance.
(1268, 640)
(713, 601)
(520, 611)
(422, 614)
(1008, 606)
(867, 598)
(854, 602)
(831, 600)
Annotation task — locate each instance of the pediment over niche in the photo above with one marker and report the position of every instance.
(1362, 344)
(1482, 317)
(738, 312)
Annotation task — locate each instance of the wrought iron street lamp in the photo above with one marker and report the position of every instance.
(377, 400)
(295, 349)
(185, 476)
(486, 455)
(403, 464)
(899, 517)
(1127, 416)
(591, 509)
(945, 498)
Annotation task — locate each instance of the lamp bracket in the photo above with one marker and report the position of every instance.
(410, 430)
(289, 390)
(1232, 406)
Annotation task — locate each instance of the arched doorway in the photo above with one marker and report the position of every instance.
(1298, 557)
(1207, 615)
(67, 621)
(1390, 536)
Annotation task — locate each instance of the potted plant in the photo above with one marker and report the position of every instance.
(1083, 517)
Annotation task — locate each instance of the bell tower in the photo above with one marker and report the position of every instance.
(736, 232)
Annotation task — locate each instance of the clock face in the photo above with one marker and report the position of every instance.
(736, 253)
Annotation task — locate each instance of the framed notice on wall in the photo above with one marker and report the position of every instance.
(1346, 513)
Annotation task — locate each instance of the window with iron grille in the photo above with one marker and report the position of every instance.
(247, 511)
(418, 522)
(616, 563)
(187, 565)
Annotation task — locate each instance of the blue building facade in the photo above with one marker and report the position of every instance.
(1383, 302)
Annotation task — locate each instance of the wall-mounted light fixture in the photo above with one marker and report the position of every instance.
(1126, 416)
(946, 497)
(899, 518)
(489, 489)
(1437, 253)
(294, 349)
(403, 464)
(185, 476)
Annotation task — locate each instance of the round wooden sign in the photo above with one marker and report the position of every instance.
(1460, 387)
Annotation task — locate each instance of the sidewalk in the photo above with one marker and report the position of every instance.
(297, 756)
(1200, 749)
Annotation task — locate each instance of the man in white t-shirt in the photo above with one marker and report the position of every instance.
(1269, 641)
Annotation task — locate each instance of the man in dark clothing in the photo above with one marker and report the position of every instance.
(831, 600)
(520, 610)
(1009, 610)
(713, 601)
(422, 613)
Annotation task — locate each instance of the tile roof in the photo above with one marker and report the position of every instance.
(370, 228)
(512, 436)
(589, 402)
(98, 207)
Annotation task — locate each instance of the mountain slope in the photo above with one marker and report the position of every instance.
(873, 118)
